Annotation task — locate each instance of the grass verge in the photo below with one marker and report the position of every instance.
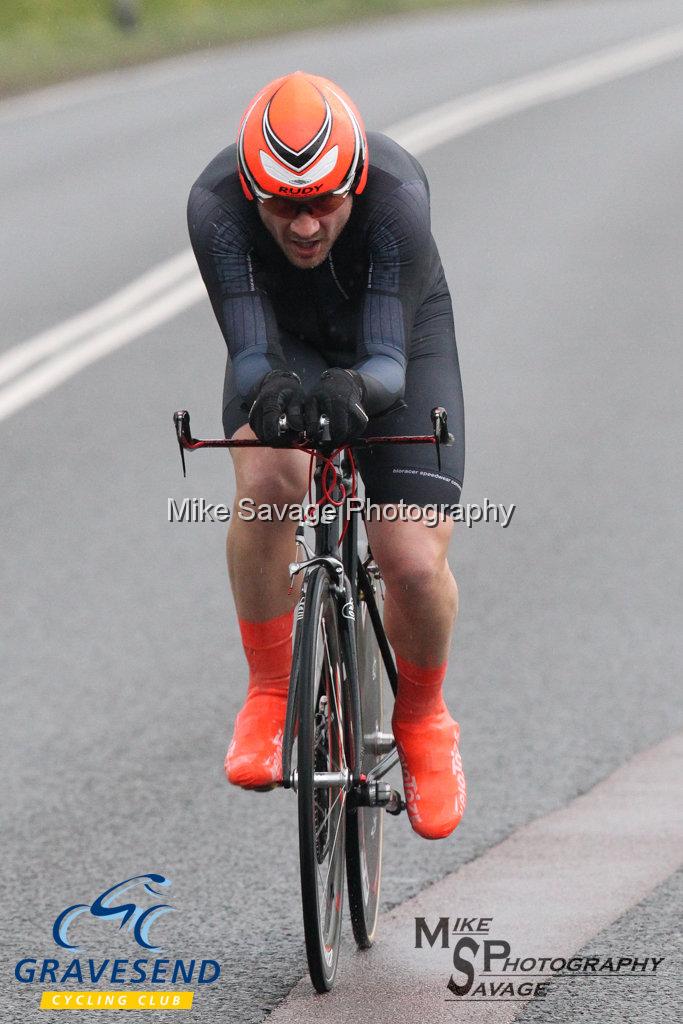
(44, 41)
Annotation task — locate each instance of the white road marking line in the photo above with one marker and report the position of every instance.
(421, 133)
(457, 117)
(165, 275)
(55, 371)
(550, 887)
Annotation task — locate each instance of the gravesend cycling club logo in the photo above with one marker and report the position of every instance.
(138, 919)
(134, 907)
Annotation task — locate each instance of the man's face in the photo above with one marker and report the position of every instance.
(307, 239)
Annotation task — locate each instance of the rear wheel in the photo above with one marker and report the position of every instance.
(320, 748)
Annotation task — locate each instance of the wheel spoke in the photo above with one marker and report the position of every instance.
(340, 795)
(334, 685)
(334, 679)
(334, 841)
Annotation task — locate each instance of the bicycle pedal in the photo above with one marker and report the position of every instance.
(396, 803)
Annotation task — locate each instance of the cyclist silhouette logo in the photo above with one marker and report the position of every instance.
(139, 919)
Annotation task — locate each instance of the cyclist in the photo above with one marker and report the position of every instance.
(314, 242)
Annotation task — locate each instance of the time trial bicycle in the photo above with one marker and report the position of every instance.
(336, 752)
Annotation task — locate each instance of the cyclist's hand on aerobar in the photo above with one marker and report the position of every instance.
(280, 392)
(339, 394)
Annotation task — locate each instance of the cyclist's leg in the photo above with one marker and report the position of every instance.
(421, 593)
(258, 552)
(257, 548)
(421, 601)
(419, 613)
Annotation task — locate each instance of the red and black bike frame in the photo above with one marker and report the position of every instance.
(348, 574)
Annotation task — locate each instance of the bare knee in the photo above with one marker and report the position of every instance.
(269, 475)
(412, 559)
(413, 577)
(270, 481)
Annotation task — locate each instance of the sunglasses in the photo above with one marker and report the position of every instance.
(317, 206)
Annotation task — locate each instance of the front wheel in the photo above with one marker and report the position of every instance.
(322, 808)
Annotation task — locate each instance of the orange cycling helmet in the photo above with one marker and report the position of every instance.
(301, 136)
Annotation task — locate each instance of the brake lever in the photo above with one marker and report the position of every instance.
(182, 429)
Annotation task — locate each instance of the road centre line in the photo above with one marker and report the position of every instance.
(179, 277)
(549, 888)
(60, 368)
(459, 116)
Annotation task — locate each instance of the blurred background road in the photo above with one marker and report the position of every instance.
(559, 227)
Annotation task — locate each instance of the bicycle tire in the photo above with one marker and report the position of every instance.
(365, 825)
(321, 747)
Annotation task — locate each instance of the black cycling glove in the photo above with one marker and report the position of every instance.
(339, 394)
(280, 392)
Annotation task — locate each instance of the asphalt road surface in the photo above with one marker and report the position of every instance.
(559, 227)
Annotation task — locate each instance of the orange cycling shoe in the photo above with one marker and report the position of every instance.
(254, 758)
(433, 778)
(427, 742)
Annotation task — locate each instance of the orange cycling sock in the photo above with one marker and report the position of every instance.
(427, 741)
(254, 758)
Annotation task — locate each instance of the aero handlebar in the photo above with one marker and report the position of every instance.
(188, 443)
